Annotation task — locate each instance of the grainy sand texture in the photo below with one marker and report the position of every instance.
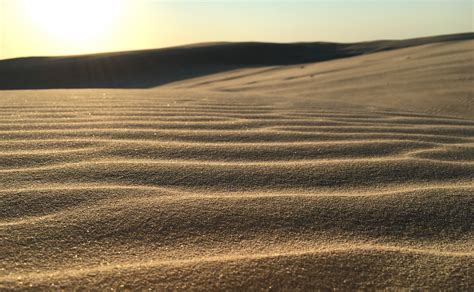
(352, 173)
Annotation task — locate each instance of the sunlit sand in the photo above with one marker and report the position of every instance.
(352, 173)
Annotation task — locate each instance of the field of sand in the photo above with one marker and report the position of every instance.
(350, 173)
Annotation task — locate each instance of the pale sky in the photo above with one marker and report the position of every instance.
(64, 27)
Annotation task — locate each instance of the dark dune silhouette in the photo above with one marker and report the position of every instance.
(150, 68)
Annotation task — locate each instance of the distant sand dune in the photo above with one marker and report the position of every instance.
(150, 68)
(346, 174)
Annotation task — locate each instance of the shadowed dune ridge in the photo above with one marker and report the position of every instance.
(145, 69)
(360, 177)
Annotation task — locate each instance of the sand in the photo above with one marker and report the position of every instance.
(151, 68)
(354, 173)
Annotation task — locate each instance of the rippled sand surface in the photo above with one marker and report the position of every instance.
(355, 173)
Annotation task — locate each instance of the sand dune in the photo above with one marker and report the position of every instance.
(435, 79)
(256, 179)
(150, 68)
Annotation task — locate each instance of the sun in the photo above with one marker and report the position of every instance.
(74, 20)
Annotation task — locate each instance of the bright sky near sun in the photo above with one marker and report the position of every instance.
(64, 27)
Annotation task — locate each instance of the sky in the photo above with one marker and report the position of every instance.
(66, 27)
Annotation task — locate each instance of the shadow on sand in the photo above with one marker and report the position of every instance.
(151, 68)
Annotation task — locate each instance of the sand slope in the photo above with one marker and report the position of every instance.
(435, 79)
(256, 179)
(151, 68)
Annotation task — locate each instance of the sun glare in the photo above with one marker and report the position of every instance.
(74, 20)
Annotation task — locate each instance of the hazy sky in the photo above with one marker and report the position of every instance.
(61, 27)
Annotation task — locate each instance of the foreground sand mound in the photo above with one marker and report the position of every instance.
(249, 189)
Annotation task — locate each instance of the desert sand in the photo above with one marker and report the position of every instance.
(354, 172)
